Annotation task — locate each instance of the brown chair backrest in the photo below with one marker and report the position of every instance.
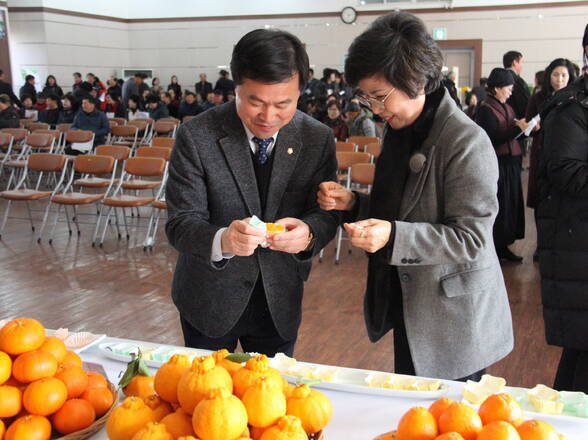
(375, 149)
(112, 123)
(344, 146)
(363, 173)
(46, 162)
(164, 127)
(124, 130)
(39, 140)
(18, 133)
(38, 125)
(55, 133)
(79, 136)
(94, 164)
(118, 152)
(360, 141)
(187, 118)
(140, 124)
(148, 120)
(163, 142)
(119, 121)
(5, 139)
(145, 166)
(64, 128)
(24, 123)
(162, 152)
(170, 119)
(345, 159)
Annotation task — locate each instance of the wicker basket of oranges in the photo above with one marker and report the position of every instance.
(44, 388)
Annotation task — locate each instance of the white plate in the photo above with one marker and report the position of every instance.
(98, 339)
(107, 350)
(352, 380)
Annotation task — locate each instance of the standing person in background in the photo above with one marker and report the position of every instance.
(51, 113)
(156, 86)
(480, 90)
(224, 84)
(77, 76)
(539, 79)
(28, 88)
(433, 276)
(175, 86)
(6, 89)
(449, 83)
(312, 83)
(113, 86)
(519, 98)
(69, 110)
(131, 86)
(203, 87)
(497, 118)
(335, 121)
(562, 230)
(51, 87)
(143, 86)
(9, 118)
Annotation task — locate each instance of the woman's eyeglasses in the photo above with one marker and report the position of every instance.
(373, 103)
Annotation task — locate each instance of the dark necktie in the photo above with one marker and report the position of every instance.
(262, 144)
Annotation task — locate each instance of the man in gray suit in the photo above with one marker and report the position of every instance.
(254, 156)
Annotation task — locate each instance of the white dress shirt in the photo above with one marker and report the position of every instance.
(217, 253)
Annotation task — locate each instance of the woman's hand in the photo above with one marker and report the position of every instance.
(371, 235)
(331, 196)
(522, 124)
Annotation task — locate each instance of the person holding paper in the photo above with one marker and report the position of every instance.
(255, 156)
(89, 118)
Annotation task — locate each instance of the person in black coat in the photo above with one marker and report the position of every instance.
(157, 109)
(6, 89)
(519, 99)
(51, 87)
(189, 106)
(202, 87)
(29, 88)
(8, 116)
(69, 110)
(175, 86)
(51, 114)
(224, 84)
(562, 231)
(449, 83)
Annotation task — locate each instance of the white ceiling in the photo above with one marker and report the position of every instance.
(130, 9)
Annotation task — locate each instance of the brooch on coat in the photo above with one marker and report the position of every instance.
(417, 162)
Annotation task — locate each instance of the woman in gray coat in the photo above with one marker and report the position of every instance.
(433, 273)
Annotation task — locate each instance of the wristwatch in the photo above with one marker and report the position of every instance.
(310, 243)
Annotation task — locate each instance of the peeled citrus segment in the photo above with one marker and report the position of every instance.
(545, 400)
(477, 392)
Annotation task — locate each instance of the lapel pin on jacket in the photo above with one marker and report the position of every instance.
(290, 151)
(417, 162)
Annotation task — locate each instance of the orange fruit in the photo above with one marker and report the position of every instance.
(159, 407)
(74, 415)
(44, 396)
(72, 358)
(462, 419)
(21, 335)
(140, 386)
(178, 423)
(96, 380)
(537, 430)
(55, 346)
(5, 368)
(10, 401)
(34, 365)
(2, 429)
(450, 436)
(168, 376)
(128, 418)
(101, 399)
(74, 378)
(29, 427)
(501, 407)
(498, 431)
(417, 424)
(153, 431)
(438, 406)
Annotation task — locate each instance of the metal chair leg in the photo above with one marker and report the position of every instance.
(116, 222)
(321, 255)
(55, 223)
(98, 218)
(5, 217)
(124, 214)
(30, 215)
(45, 216)
(339, 240)
(67, 218)
(75, 219)
(148, 241)
(105, 225)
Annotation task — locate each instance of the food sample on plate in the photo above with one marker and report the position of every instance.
(477, 392)
(287, 365)
(546, 400)
(160, 354)
(397, 382)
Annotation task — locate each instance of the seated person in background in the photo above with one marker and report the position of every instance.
(51, 114)
(41, 103)
(133, 106)
(28, 110)
(172, 106)
(83, 91)
(89, 118)
(218, 97)
(336, 122)
(359, 122)
(156, 108)
(69, 110)
(114, 106)
(8, 116)
(230, 96)
(189, 107)
(208, 102)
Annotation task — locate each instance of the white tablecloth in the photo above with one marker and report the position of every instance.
(355, 416)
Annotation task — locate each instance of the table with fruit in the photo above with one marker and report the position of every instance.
(47, 392)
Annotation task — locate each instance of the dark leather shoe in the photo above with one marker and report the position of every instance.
(506, 254)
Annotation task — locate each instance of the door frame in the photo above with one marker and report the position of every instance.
(475, 45)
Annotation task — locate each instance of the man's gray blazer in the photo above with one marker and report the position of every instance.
(211, 183)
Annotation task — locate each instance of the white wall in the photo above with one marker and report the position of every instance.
(63, 44)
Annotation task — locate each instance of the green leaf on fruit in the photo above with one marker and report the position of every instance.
(238, 357)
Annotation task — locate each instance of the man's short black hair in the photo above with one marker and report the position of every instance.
(78, 74)
(5, 99)
(54, 97)
(510, 57)
(269, 56)
(29, 77)
(86, 86)
(218, 92)
(189, 93)
(398, 47)
(90, 99)
(152, 99)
